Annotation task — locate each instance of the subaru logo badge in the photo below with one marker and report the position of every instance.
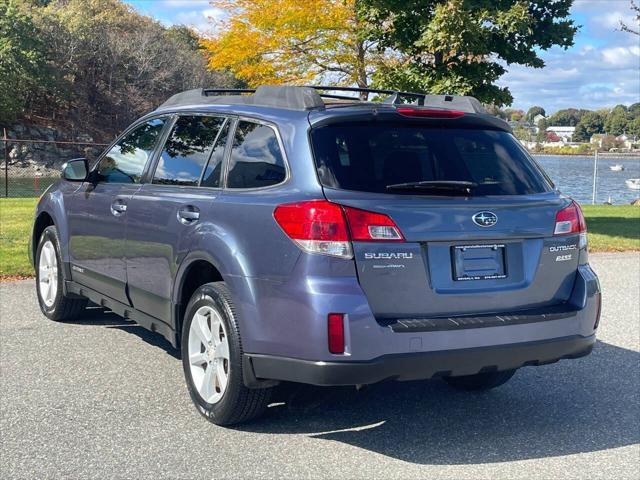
(485, 219)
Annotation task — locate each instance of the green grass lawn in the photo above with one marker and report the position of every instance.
(611, 229)
(16, 217)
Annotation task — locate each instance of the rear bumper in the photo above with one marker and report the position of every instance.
(415, 366)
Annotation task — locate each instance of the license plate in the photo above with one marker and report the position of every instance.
(479, 262)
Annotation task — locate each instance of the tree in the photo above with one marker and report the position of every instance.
(533, 111)
(460, 46)
(522, 133)
(633, 30)
(288, 41)
(568, 117)
(590, 124)
(112, 64)
(633, 128)
(22, 61)
(542, 131)
(616, 122)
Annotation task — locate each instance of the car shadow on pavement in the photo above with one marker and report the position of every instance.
(570, 407)
(99, 316)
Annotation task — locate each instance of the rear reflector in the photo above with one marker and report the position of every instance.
(336, 332)
(319, 226)
(570, 220)
(429, 112)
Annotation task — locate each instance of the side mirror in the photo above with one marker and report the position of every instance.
(75, 170)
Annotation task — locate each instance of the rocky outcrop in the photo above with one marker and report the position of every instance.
(41, 155)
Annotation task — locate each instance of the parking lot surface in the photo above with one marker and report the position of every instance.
(103, 398)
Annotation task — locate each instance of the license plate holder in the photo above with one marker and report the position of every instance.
(479, 262)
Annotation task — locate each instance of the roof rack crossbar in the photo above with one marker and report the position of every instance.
(310, 97)
(394, 95)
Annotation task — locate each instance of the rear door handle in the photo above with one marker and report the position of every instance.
(188, 215)
(118, 207)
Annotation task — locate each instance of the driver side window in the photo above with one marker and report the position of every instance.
(126, 160)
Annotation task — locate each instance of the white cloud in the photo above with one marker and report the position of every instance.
(622, 56)
(202, 20)
(602, 70)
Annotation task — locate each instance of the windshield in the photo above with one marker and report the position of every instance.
(391, 158)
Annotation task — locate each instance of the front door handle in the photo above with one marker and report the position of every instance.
(118, 207)
(188, 215)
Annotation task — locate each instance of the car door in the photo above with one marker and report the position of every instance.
(168, 211)
(97, 211)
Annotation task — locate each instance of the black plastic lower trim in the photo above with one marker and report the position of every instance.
(415, 366)
(437, 324)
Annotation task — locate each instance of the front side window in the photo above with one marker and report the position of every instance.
(126, 160)
(186, 150)
(256, 159)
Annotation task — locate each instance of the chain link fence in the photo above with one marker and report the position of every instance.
(595, 179)
(29, 166)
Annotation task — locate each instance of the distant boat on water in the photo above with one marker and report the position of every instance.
(633, 183)
(617, 167)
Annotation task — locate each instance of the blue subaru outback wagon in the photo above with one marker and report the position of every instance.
(291, 234)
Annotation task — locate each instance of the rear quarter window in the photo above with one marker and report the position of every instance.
(371, 157)
(256, 158)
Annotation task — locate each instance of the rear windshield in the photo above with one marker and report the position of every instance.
(370, 158)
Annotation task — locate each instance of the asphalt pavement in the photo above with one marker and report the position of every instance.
(103, 398)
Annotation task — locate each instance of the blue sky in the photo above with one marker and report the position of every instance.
(601, 70)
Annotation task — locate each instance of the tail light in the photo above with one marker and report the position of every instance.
(336, 332)
(371, 227)
(570, 220)
(429, 112)
(319, 226)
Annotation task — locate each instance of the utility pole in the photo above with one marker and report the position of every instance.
(595, 177)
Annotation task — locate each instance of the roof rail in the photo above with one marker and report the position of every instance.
(310, 97)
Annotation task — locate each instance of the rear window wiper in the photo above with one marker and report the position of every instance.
(460, 186)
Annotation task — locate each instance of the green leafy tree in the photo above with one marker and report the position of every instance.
(533, 111)
(633, 128)
(634, 110)
(461, 46)
(542, 131)
(590, 124)
(568, 117)
(22, 61)
(616, 121)
(522, 133)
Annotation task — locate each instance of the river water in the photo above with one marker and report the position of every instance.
(573, 176)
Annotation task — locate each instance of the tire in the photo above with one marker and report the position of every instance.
(480, 381)
(49, 280)
(215, 382)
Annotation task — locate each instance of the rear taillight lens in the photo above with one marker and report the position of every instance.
(371, 227)
(319, 226)
(429, 112)
(316, 226)
(336, 332)
(570, 220)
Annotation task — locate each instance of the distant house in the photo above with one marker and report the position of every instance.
(538, 118)
(625, 140)
(565, 133)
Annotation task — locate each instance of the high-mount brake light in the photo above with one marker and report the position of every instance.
(570, 220)
(319, 226)
(429, 112)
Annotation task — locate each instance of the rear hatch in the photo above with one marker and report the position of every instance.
(476, 213)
